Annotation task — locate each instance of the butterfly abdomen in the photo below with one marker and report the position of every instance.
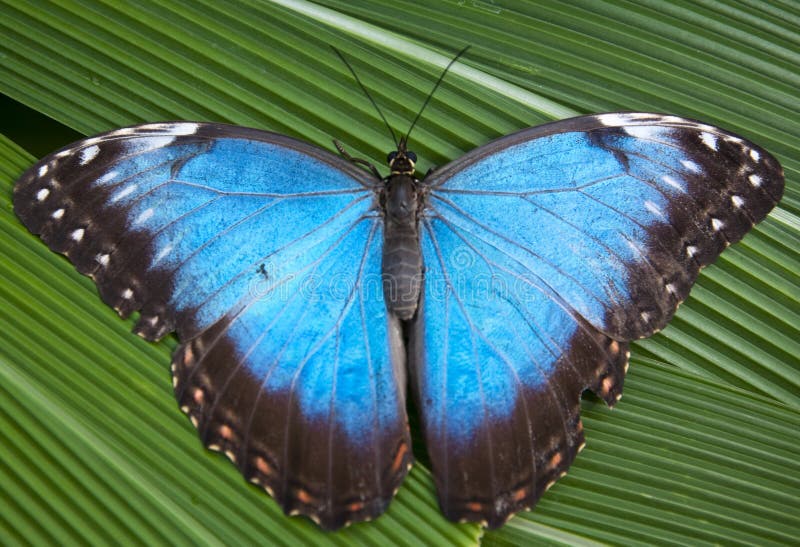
(402, 259)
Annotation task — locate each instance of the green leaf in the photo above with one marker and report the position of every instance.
(700, 449)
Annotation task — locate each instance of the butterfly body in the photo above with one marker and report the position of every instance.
(402, 204)
(294, 280)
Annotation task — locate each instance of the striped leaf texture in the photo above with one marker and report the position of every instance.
(701, 449)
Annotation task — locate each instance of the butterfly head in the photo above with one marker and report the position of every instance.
(402, 161)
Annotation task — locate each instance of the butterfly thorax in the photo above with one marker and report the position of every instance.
(402, 258)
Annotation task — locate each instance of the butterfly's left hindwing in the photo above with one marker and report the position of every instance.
(263, 254)
(545, 252)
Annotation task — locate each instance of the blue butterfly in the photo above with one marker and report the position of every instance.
(304, 289)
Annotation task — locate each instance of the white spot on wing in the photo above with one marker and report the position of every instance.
(43, 170)
(717, 224)
(89, 153)
(691, 166)
(107, 177)
(691, 250)
(102, 259)
(709, 140)
(144, 215)
(737, 201)
(77, 235)
(42, 194)
(182, 128)
(653, 208)
(127, 294)
(755, 180)
(643, 131)
(164, 252)
(674, 183)
(125, 192)
(670, 288)
(755, 155)
(151, 143)
(57, 214)
(613, 119)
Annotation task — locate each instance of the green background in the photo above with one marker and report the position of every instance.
(702, 448)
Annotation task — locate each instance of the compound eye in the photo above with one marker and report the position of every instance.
(390, 158)
(412, 156)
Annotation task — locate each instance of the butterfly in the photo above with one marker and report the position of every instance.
(307, 291)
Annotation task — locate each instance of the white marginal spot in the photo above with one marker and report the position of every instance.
(717, 224)
(755, 180)
(92, 141)
(102, 259)
(643, 131)
(613, 119)
(77, 235)
(153, 320)
(670, 288)
(709, 140)
(754, 154)
(144, 215)
(89, 153)
(43, 170)
(674, 183)
(182, 128)
(124, 131)
(691, 250)
(653, 208)
(139, 146)
(107, 177)
(672, 120)
(128, 190)
(42, 194)
(691, 166)
(737, 201)
(127, 294)
(164, 252)
(57, 214)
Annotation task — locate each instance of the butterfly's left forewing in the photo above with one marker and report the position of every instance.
(546, 252)
(263, 254)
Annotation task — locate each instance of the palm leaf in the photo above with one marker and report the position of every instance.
(699, 451)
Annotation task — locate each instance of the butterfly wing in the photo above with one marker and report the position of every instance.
(263, 254)
(545, 253)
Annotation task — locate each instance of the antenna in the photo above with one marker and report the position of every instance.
(435, 87)
(366, 92)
